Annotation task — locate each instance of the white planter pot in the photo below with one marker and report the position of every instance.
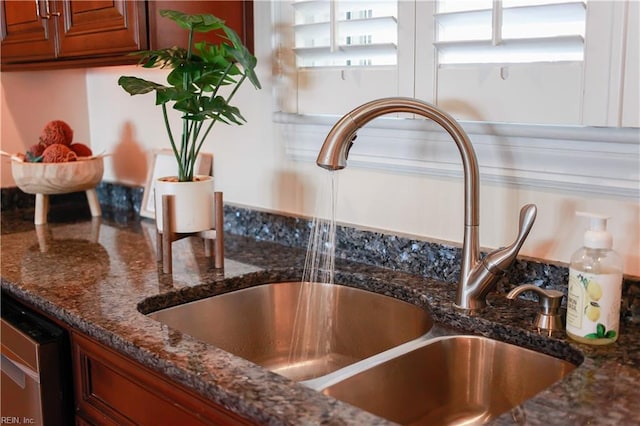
(192, 206)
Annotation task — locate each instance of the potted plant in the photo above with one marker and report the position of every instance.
(200, 73)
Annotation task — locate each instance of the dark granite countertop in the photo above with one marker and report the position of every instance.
(98, 276)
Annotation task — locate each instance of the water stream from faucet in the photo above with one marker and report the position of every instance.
(311, 340)
(320, 259)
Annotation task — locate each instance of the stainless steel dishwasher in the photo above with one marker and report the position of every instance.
(36, 373)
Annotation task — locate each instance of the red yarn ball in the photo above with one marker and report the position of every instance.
(58, 153)
(56, 132)
(81, 149)
(35, 151)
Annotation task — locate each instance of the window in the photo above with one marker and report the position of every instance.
(523, 77)
(345, 33)
(504, 60)
(481, 60)
(509, 31)
(340, 53)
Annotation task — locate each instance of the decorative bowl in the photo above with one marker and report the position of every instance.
(58, 178)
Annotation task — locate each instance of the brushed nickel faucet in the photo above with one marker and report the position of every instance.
(478, 276)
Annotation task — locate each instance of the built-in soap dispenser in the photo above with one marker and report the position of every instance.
(595, 286)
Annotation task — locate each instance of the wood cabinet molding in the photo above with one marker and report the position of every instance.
(113, 390)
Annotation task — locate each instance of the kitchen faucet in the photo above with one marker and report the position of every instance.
(478, 275)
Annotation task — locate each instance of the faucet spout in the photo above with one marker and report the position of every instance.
(333, 156)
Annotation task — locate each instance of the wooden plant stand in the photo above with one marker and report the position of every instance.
(213, 238)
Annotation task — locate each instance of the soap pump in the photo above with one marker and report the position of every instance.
(595, 286)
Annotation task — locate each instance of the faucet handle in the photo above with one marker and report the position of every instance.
(499, 260)
(548, 317)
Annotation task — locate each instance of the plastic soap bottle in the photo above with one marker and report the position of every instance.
(595, 287)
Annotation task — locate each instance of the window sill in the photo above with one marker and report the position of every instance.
(585, 160)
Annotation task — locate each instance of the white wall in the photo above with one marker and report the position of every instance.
(251, 168)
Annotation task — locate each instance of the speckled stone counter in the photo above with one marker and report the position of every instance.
(101, 276)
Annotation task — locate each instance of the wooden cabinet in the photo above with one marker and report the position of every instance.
(59, 31)
(46, 34)
(101, 27)
(113, 390)
(25, 35)
(237, 14)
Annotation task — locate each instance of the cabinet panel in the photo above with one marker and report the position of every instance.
(25, 35)
(102, 27)
(110, 389)
(237, 14)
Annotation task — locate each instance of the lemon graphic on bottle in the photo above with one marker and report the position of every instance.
(594, 290)
(593, 312)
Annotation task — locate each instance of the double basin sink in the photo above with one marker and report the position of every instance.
(373, 351)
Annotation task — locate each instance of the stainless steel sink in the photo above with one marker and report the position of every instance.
(452, 380)
(300, 330)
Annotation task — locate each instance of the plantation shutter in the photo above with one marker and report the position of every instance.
(344, 53)
(510, 31)
(518, 61)
(345, 33)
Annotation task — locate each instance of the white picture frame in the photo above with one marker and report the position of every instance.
(163, 163)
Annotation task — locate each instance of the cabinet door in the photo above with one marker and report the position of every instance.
(101, 27)
(27, 34)
(113, 390)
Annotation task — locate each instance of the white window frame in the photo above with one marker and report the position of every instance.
(554, 157)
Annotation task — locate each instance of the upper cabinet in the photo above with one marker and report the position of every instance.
(101, 27)
(237, 14)
(61, 31)
(46, 34)
(25, 33)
